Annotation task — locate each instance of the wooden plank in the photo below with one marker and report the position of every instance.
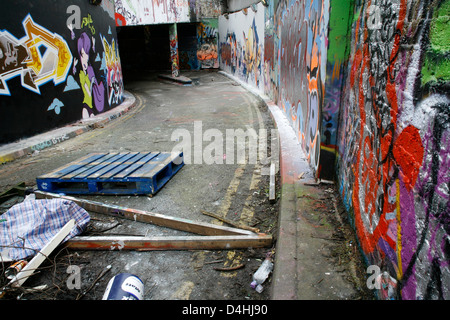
(72, 166)
(122, 164)
(149, 167)
(37, 260)
(107, 163)
(87, 167)
(202, 228)
(232, 223)
(108, 166)
(272, 182)
(136, 165)
(169, 243)
(158, 164)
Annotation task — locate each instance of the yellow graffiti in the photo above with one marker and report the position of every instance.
(110, 52)
(88, 22)
(113, 71)
(57, 61)
(38, 57)
(252, 56)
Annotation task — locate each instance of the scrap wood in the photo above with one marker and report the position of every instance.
(211, 262)
(17, 190)
(232, 223)
(272, 182)
(230, 268)
(207, 229)
(37, 260)
(169, 243)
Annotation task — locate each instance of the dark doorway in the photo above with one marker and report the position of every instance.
(144, 48)
(187, 46)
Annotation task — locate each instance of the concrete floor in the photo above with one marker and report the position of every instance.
(236, 191)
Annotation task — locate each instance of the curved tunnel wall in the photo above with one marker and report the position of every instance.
(365, 84)
(59, 63)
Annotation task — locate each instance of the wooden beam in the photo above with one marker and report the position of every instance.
(232, 223)
(169, 243)
(31, 267)
(272, 182)
(202, 228)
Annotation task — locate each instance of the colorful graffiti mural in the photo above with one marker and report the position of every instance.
(241, 42)
(142, 12)
(368, 81)
(284, 54)
(174, 59)
(103, 87)
(70, 61)
(296, 73)
(113, 71)
(40, 56)
(394, 144)
(337, 58)
(207, 52)
(93, 90)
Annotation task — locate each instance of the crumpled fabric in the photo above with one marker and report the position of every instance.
(28, 226)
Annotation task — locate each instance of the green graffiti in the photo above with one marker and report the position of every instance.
(339, 33)
(440, 29)
(436, 65)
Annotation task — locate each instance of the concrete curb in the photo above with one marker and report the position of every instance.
(24, 147)
(292, 163)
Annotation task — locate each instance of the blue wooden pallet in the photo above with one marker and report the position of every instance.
(129, 173)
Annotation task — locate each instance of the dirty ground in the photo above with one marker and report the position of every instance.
(238, 192)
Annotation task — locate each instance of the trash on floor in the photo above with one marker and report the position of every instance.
(43, 254)
(262, 274)
(124, 286)
(211, 236)
(28, 226)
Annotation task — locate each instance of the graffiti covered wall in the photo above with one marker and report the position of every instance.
(142, 12)
(58, 64)
(337, 59)
(394, 143)
(297, 71)
(284, 55)
(145, 12)
(207, 52)
(241, 41)
(198, 49)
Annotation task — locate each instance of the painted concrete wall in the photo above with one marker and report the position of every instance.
(241, 42)
(281, 49)
(141, 12)
(394, 143)
(59, 62)
(145, 12)
(339, 31)
(198, 51)
(365, 84)
(207, 43)
(298, 69)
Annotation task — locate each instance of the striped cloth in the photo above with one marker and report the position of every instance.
(28, 226)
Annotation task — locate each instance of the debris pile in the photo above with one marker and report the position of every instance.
(31, 230)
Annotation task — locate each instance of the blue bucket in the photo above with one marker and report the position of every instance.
(124, 286)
